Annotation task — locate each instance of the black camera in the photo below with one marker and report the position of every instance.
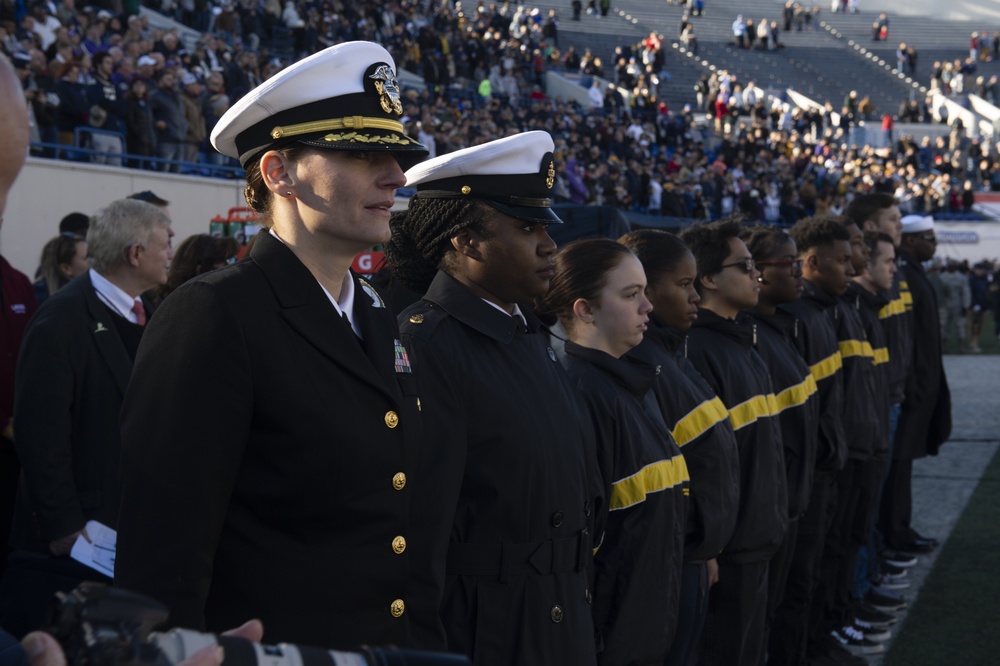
(98, 625)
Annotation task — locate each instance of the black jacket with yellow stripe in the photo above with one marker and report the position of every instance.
(700, 425)
(724, 353)
(798, 403)
(869, 307)
(637, 563)
(816, 311)
(896, 316)
(861, 418)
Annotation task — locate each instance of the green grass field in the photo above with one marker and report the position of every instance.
(988, 340)
(954, 620)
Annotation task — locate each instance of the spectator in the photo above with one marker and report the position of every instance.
(15, 289)
(192, 98)
(63, 258)
(140, 131)
(68, 400)
(196, 255)
(979, 288)
(106, 112)
(168, 120)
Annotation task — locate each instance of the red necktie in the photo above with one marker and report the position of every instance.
(140, 312)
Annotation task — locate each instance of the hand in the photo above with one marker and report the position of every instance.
(713, 573)
(43, 650)
(64, 545)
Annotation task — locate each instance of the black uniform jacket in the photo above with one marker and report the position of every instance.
(817, 342)
(700, 425)
(517, 433)
(72, 375)
(269, 462)
(798, 403)
(637, 566)
(897, 322)
(861, 416)
(925, 420)
(869, 306)
(723, 351)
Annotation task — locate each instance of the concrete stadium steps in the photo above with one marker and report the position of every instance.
(933, 39)
(820, 64)
(813, 63)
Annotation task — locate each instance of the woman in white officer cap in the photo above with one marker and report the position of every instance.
(511, 442)
(271, 428)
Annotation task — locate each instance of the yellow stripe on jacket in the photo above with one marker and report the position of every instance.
(893, 308)
(827, 367)
(856, 348)
(881, 355)
(749, 411)
(699, 420)
(793, 396)
(653, 478)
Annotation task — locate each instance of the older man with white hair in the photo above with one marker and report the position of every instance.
(75, 363)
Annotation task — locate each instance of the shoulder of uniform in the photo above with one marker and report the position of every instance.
(422, 319)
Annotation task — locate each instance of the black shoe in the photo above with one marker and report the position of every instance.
(873, 616)
(842, 657)
(890, 570)
(897, 559)
(884, 603)
(917, 547)
(920, 538)
(855, 642)
(871, 632)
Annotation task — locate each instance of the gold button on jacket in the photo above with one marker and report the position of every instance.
(398, 545)
(398, 480)
(397, 607)
(391, 419)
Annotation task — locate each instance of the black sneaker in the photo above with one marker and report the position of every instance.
(842, 657)
(889, 570)
(892, 582)
(866, 613)
(871, 632)
(884, 603)
(855, 642)
(897, 559)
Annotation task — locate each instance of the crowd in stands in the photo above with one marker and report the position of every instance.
(484, 67)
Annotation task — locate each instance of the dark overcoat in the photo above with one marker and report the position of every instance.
(269, 462)
(505, 416)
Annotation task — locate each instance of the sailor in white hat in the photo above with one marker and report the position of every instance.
(343, 98)
(272, 430)
(510, 446)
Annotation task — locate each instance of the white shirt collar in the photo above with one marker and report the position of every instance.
(346, 302)
(113, 296)
(517, 311)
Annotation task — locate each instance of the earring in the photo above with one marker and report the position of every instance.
(288, 193)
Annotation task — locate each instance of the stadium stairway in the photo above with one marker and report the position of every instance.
(820, 64)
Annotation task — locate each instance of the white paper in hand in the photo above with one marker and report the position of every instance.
(99, 552)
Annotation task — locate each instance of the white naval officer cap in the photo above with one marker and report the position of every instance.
(914, 224)
(515, 175)
(343, 98)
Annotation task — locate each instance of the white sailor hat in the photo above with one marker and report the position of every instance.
(343, 98)
(515, 175)
(914, 224)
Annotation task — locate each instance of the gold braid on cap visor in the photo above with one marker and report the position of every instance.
(351, 122)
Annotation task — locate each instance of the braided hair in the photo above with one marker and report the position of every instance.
(420, 238)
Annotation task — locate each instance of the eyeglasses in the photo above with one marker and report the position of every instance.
(795, 265)
(746, 264)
